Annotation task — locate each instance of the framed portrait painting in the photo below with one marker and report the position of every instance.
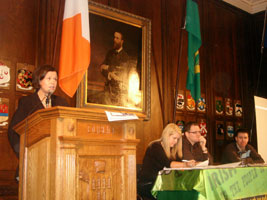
(118, 77)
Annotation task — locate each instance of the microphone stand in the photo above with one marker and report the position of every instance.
(183, 22)
(47, 100)
(264, 31)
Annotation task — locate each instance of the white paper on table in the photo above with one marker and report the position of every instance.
(257, 165)
(117, 116)
(203, 164)
(229, 165)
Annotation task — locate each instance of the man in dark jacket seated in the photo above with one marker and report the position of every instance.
(194, 144)
(240, 148)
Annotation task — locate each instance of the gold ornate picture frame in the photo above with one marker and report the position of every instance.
(118, 77)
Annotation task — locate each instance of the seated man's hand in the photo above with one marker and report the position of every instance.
(202, 142)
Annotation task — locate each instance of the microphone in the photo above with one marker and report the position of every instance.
(37, 105)
(47, 99)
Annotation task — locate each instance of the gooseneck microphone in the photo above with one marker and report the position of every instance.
(40, 103)
(47, 100)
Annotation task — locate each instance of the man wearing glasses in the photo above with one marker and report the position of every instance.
(194, 144)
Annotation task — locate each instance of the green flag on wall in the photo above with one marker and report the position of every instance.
(194, 43)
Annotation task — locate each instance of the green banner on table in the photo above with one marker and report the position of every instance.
(227, 183)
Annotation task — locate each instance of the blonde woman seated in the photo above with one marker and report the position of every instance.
(165, 152)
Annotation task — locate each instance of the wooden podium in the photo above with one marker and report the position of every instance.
(74, 153)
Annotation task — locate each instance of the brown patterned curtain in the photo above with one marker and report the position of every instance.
(49, 31)
(49, 37)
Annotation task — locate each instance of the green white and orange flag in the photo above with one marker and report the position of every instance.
(75, 45)
(194, 43)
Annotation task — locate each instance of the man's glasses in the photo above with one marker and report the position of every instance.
(195, 132)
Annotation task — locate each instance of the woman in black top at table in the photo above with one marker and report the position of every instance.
(164, 152)
(45, 83)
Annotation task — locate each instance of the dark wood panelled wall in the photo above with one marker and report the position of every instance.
(229, 58)
(18, 45)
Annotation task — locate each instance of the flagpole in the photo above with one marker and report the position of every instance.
(262, 48)
(264, 30)
(179, 60)
(258, 79)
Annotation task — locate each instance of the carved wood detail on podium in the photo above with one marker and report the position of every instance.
(75, 154)
(100, 177)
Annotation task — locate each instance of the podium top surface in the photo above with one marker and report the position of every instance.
(92, 115)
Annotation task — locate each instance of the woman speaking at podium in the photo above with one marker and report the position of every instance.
(45, 82)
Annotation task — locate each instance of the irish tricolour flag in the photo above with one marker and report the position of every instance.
(75, 45)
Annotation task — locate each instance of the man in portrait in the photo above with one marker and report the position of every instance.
(115, 69)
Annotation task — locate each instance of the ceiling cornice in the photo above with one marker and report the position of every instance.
(250, 6)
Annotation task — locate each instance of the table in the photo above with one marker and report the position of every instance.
(216, 183)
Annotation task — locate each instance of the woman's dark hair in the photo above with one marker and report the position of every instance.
(40, 73)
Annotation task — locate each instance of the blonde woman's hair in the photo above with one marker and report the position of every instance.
(169, 130)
